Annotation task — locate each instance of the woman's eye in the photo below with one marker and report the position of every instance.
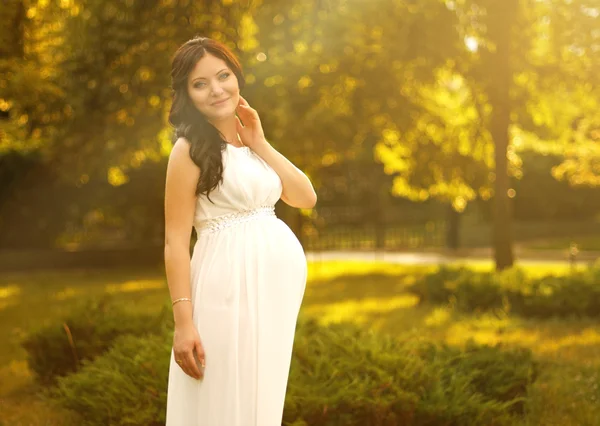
(221, 76)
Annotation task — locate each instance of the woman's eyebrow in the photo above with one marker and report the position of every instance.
(203, 78)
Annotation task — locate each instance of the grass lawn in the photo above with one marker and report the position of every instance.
(370, 294)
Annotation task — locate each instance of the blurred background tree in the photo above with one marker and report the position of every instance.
(415, 120)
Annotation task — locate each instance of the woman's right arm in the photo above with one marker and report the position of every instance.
(180, 203)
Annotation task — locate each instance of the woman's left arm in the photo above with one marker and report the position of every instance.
(297, 189)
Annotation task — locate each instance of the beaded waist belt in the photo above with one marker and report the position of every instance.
(227, 220)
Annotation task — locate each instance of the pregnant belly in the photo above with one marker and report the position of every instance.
(284, 241)
(261, 240)
(240, 260)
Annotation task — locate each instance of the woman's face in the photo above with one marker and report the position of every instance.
(213, 88)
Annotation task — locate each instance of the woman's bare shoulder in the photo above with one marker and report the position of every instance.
(181, 145)
(180, 163)
(181, 152)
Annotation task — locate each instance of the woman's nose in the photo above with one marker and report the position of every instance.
(216, 89)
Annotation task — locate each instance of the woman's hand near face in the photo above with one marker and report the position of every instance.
(251, 132)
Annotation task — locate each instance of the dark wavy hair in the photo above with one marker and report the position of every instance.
(206, 142)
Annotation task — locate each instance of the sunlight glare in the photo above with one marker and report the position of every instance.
(438, 316)
(587, 337)
(360, 311)
(472, 44)
(133, 286)
(9, 291)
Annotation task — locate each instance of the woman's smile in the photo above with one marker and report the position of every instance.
(222, 102)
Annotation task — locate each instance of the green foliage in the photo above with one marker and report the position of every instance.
(125, 386)
(89, 330)
(340, 375)
(388, 95)
(577, 294)
(541, 197)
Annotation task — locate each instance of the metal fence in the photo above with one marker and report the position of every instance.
(370, 237)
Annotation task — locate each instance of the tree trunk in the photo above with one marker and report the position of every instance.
(452, 232)
(503, 17)
(12, 36)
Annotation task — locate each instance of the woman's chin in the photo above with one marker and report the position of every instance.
(221, 115)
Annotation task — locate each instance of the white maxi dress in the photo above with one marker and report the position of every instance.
(247, 276)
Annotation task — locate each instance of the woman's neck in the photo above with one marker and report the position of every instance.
(228, 129)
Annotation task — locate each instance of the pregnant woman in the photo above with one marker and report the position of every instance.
(236, 300)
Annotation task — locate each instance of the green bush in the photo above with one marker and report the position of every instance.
(127, 385)
(340, 375)
(88, 331)
(576, 294)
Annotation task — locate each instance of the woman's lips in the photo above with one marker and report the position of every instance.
(220, 102)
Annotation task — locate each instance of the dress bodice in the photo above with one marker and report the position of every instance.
(248, 183)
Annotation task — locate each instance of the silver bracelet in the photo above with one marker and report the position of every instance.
(181, 299)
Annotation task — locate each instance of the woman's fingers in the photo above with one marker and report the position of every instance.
(245, 106)
(244, 109)
(200, 355)
(191, 365)
(184, 349)
(188, 364)
(247, 113)
(239, 123)
(181, 361)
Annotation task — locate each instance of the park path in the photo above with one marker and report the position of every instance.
(437, 257)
